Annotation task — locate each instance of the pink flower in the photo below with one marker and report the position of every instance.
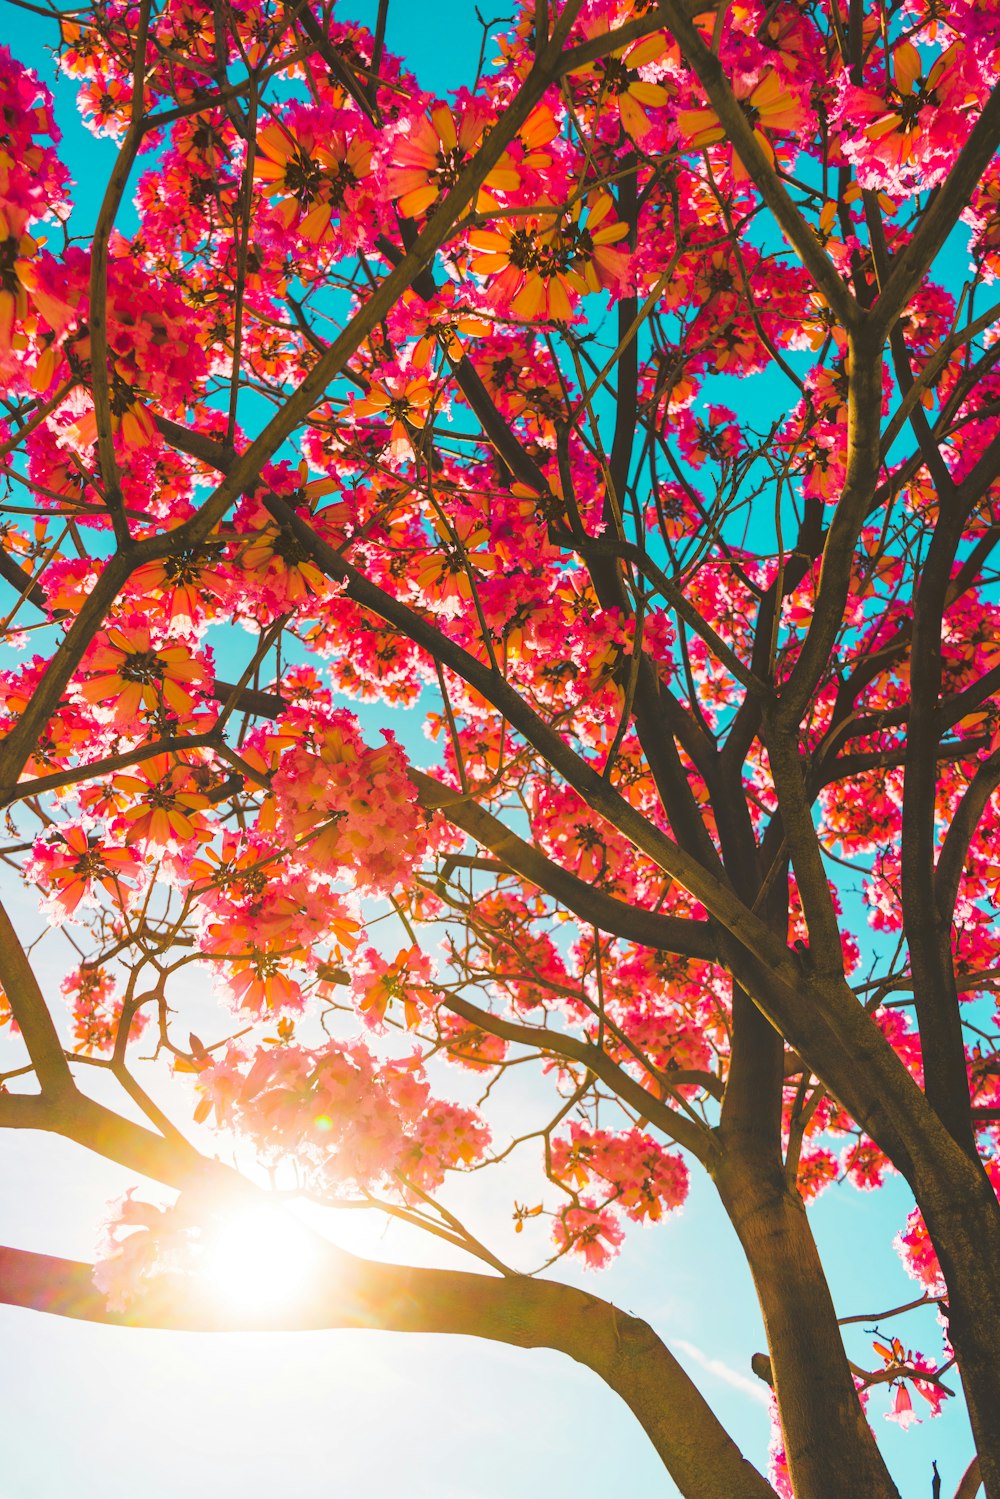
(902, 1408)
(354, 807)
(903, 134)
(587, 1230)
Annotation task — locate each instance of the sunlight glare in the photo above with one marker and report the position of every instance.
(260, 1260)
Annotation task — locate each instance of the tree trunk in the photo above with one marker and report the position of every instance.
(831, 1451)
(963, 1218)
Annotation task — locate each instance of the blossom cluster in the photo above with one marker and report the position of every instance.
(639, 1179)
(353, 806)
(353, 1123)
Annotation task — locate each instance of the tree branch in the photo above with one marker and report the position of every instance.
(666, 933)
(31, 1013)
(622, 1350)
(740, 133)
(686, 1131)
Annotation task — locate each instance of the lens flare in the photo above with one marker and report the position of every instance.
(260, 1260)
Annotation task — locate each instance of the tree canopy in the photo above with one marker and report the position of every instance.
(631, 419)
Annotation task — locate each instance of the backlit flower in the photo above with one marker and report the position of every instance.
(275, 560)
(182, 586)
(69, 864)
(128, 674)
(313, 167)
(619, 80)
(905, 132)
(537, 266)
(259, 981)
(166, 803)
(428, 160)
(902, 1408)
(405, 399)
(768, 106)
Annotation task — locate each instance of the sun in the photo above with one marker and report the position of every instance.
(260, 1260)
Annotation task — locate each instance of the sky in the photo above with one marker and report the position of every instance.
(107, 1413)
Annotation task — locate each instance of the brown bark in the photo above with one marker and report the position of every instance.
(963, 1218)
(831, 1450)
(830, 1447)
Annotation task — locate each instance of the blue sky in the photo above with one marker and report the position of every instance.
(110, 1414)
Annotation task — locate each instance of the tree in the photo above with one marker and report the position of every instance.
(413, 402)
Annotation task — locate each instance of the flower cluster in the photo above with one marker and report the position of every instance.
(73, 864)
(348, 808)
(638, 1177)
(354, 1123)
(33, 186)
(96, 1008)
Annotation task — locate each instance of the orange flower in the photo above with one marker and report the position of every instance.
(278, 559)
(620, 80)
(257, 977)
(16, 250)
(83, 47)
(179, 585)
(167, 804)
(130, 418)
(544, 259)
(768, 106)
(444, 572)
(906, 98)
(258, 983)
(108, 99)
(128, 674)
(430, 159)
(405, 398)
(442, 322)
(74, 861)
(243, 875)
(311, 173)
(404, 980)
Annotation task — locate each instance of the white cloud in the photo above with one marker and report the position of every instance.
(747, 1383)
